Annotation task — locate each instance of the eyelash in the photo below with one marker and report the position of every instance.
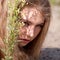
(40, 25)
(27, 24)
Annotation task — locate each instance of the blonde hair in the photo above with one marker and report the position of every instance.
(32, 50)
(3, 15)
(3, 19)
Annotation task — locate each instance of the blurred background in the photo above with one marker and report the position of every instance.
(51, 47)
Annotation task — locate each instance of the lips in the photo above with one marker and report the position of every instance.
(25, 39)
(21, 39)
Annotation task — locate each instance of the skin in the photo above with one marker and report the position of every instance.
(33, 20)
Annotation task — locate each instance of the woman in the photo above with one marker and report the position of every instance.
(3, 15)
(36, 18)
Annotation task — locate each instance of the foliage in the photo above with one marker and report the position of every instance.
(52, 1)
(55, 2)
(13, 25)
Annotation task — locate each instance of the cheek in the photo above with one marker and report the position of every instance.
(37, 31)
(22, 31)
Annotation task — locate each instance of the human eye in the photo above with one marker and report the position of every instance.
(26, 23)
(40, 25)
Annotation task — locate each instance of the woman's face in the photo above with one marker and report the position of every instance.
(33, 21)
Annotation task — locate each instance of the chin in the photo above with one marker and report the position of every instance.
(22, 44)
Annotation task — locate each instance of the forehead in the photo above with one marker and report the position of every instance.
(32, 14)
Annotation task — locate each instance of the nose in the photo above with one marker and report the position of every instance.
(30, 31)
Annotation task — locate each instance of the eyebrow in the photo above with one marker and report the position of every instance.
(23, 20)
